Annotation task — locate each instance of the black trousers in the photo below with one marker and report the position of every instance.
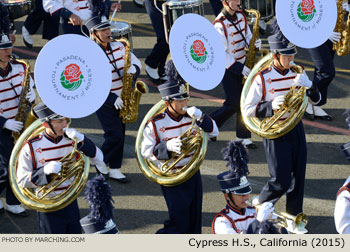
(324, 73)
(184, 203)
(160, 50)
(39, 15)
(6, 146)
(286, 158)
(232, 85)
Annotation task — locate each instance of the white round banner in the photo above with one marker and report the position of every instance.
(306, 23)
(73, 75)
(197, 51)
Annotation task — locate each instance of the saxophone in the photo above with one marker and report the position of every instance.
(343, 46)
(24, 114)
(130, 96)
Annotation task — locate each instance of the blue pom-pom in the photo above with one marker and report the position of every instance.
(172, 74)
(276, 30)
(237, 158)
(347, 117)
(5, 24)
(98, 193)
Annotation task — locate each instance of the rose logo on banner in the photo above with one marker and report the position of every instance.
(306, 10)
(198, 51)
(71, 77)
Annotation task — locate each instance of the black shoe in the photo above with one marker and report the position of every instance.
(309, 116)
(120, 180)
(213, 139)
(27, 44)
(251, 146)
(325, 117)
(21, 214)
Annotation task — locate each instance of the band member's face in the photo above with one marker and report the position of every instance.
(285, 60)
(178, 106)
(5, 55)
(233, 4)
(239, 201)
(104, 35)
(57, 125)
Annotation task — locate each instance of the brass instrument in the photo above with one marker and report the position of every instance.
(295, 103)
(130, 97)
(343, 46)
(194, 141)
(24, 114)
(300, 220)
(74, 165)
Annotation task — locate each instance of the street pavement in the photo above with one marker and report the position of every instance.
(139, 204)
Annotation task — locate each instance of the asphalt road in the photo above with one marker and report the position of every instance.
(139, 205)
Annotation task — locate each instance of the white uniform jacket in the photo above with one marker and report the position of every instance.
(116, 54)
(10, 90)
(40, 150)
(164, 127)
(232, 39)
(81, 8)
(342, 209)
(233, 221)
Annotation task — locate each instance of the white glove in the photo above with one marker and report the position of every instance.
(335, 37)
(258, 44)
(118, 104)
(194, 112)
(245, 71)
(302, 80)
(346, 7)
(174, 145)
(277, 102)
(132, 69)
(74, 134)
(265, 211)
(52, 167)
(13, 125)
(31, 96)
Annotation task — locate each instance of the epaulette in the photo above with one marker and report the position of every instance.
(158, 117)
(265, 70)
(34, 139)
(15, 62)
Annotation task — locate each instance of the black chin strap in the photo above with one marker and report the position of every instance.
(171, 106)
(49, 123)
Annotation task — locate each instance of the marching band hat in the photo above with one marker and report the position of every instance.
(100, 219)
(175, 87)
(97, 23)
(277, 46)
(45, 114)
(235, 180)
(5, 41)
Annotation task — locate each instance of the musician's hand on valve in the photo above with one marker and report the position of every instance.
(194, 112)
(245, 71)
(74, 134)
(335, 37)
(132, 69)
(265, 211)
(174, 145)
(52, 167)
(118, 104)
(346, 7)
(302, 80)
(277, 102)
(75, 20)
(258, 44)
(13, 125)
(31, 96)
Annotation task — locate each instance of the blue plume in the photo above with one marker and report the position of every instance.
(237, 158)
(276, 30)
(98, 193)
(172, 73)
(99, 8)
(5, 24)
(347, 117)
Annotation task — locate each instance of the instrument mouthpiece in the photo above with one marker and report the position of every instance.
(184, 109)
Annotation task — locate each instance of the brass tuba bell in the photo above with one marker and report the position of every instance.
(74, 165)
(295, 103)
(193, 141)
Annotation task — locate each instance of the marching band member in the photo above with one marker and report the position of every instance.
(39, 158)
(155, 62)
(236, 217)
(12, 75)
(235, 33)
(342, 209)
(74, 13)
(286, 155)
(161, 139)
(108, 114)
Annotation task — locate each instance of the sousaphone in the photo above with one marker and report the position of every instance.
(74, 84)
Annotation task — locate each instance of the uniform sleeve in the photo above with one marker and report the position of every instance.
(26, 176)
(51, 6)
(253, 98)
(87, 147)
(209, 126)
(223, 226)
(152, 149)
(248, 34)
(342, 213)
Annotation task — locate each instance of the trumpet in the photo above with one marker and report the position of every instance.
(299, 221)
